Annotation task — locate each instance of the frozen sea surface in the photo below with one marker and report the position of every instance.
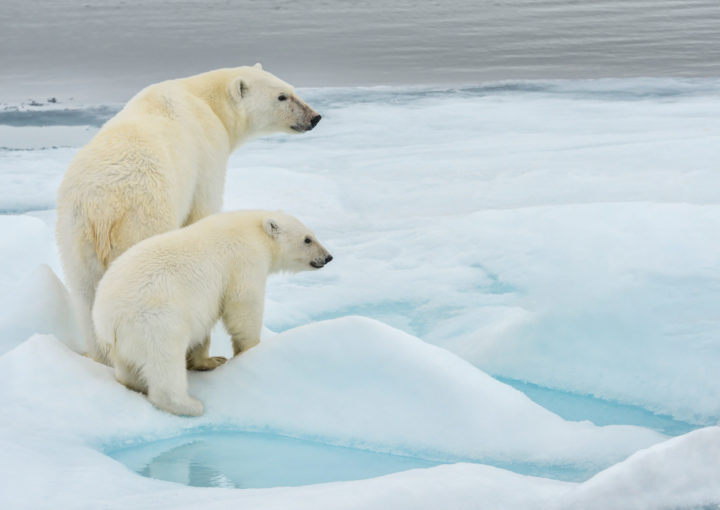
(555, 233)
(560, 236)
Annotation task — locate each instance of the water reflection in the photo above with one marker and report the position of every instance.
(252, 460)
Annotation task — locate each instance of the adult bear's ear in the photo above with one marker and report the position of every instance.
(242, 88)
(271, 227)
(258, 66)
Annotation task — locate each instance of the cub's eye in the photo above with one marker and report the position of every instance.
(308, 240)
(282, 97)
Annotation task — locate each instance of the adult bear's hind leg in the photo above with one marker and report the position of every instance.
(129, 377)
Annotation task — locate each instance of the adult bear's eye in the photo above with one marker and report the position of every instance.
(308, 240)
(282, 97)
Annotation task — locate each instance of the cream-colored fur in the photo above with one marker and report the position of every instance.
(160, 164)
(157, 302)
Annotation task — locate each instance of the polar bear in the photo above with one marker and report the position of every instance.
(157, 302)
(160, 164)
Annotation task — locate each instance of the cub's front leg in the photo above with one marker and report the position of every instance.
(198, 357)
(242, 317)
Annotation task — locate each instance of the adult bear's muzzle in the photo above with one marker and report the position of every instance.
(320, 262)
(309, 117)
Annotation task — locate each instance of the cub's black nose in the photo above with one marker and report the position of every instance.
(315, 120)
(328, 258)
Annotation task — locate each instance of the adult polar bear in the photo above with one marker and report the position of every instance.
(160, 164)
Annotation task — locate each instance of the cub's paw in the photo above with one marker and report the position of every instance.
(181, 405)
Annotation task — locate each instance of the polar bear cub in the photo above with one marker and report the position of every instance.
(156, 304)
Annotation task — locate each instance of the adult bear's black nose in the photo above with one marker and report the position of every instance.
(314, 121)
(328, 258)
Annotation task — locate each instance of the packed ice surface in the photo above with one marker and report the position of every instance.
(391, 392)
(561, 233)
(679, 473)
(564, 236)
(350, 382)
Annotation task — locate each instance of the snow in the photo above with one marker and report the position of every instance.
(64, 406)
(562, 234)
(32, 297)
(520, 227)
(329, 381)
(682, 472)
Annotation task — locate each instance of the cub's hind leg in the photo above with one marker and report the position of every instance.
(166, 376)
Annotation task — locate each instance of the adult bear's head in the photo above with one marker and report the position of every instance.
(269, 104)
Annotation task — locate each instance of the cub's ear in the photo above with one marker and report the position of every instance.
(242, 88)
(271, 227)
(258, 66)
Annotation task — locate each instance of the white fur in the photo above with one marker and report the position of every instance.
(156, 304)
(160, 163)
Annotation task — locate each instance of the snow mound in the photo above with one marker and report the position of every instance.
(32, 297)
(40, 303)
(358, 382)
(351, 382)
(683, 472)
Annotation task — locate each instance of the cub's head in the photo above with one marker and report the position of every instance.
(269, 103)
(295, 246)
